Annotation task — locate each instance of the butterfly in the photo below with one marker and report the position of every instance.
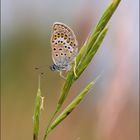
(64, 48)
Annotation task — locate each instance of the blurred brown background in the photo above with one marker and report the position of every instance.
(110, 111)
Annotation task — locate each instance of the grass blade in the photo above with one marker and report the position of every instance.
(71, 107)
(98, 29)
(37, 111)
(92, 52)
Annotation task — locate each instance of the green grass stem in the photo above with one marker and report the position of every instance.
(83, 59)
(37, 111)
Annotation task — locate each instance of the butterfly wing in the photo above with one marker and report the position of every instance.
(64, 44)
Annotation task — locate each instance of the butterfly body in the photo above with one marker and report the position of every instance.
(64, 47)
(55, 67)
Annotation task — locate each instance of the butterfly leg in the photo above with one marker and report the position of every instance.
(74, 68)
(61, 75)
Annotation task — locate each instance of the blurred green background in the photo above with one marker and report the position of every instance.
(110, 111)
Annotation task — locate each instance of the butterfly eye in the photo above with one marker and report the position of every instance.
(61, 53)
(56, 55)
(68, 47)
(65, 46)
(54, 49)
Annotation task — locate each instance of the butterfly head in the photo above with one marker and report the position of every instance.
(54, 67)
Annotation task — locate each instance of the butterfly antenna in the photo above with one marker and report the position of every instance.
(40, 67)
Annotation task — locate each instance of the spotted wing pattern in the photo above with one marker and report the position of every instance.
(64, 45)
